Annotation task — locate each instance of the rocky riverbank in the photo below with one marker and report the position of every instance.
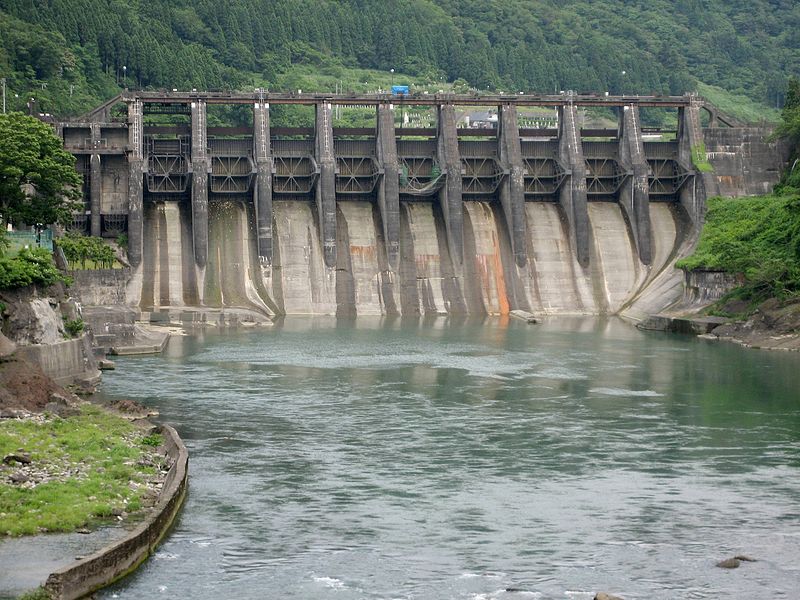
(773, 326)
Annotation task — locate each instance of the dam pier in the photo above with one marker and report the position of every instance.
(402, 218)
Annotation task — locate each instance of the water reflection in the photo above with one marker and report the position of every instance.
(431, 458)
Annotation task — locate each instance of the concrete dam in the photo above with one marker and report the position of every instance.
(394, 219)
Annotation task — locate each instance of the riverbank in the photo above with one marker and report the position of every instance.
(752, 246)
(773, 326)
(74, 475)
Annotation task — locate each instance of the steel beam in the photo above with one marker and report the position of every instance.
(163, 98)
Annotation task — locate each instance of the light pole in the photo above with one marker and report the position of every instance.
(392, 72)
(125, 75)
(623, 81)
(3, 81)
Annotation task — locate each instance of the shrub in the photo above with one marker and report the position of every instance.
(74, 328)
(29, 267)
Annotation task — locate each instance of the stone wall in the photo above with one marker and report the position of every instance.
(745, 161)
(124, 556)
(100, 287)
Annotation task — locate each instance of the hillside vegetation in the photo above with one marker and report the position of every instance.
(758, 237)
(70, 54)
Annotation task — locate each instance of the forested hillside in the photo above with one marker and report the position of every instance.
(70, 54)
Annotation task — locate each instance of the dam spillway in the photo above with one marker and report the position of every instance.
(443, 219)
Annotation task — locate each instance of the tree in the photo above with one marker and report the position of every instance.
(789, 128)
(790, 115)
(38, 181)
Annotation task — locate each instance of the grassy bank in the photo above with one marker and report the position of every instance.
(758, 237)
(83, 469)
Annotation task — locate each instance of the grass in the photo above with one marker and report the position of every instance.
(100, 451)
(700, 159)
(738, 106)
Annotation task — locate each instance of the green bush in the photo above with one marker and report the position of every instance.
(74, 328)
(758, 237)
(30, 266)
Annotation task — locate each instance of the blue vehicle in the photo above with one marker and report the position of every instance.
(399, 90)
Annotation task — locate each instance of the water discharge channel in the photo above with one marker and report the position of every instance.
(457, 459)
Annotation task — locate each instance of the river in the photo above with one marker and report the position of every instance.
(442, 459)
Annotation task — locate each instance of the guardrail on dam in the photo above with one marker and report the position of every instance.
(187, 167)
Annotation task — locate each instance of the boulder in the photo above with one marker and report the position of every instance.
(23, 459)
(735, 561)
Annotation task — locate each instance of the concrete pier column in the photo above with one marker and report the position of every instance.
(326, 184)
(389, 188)
(262, 153)
(572, 196)
(691, 147)
(634, 196)
(136, 168)
(95, 181)
(450, 195)
(200, 169)
(512, 189)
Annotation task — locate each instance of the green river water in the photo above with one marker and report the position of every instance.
(460, 459)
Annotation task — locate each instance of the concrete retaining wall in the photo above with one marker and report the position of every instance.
(124, 556)
(100, 287)
(705, 287)
(689, 325)
(66, 361)
(745, 161)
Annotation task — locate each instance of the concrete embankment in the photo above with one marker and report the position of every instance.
(123, 556)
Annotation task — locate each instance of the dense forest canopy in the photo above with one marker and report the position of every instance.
(70, 54)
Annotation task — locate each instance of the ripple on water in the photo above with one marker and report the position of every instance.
(460, 461)
(625, 392)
